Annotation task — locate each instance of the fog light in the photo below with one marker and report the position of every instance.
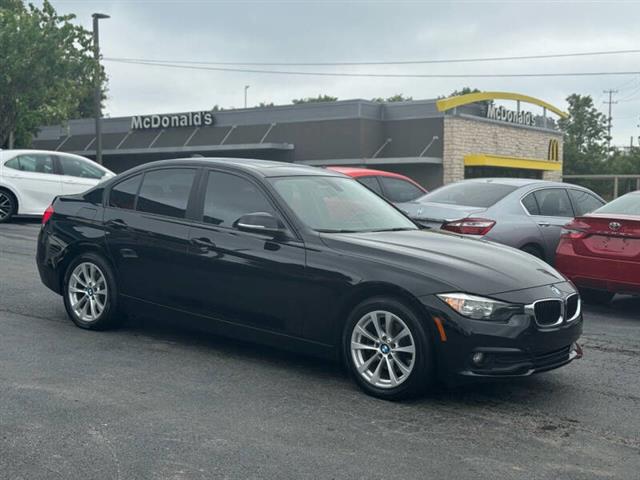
(478, 358)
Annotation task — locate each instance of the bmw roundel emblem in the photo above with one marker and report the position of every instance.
(556, 291)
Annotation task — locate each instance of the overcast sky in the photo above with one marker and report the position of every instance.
(332, 31)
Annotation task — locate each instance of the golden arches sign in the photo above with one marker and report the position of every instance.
(445, 104)
(554, 148)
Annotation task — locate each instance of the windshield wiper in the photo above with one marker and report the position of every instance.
(329, 230)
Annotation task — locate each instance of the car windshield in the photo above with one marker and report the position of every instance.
(339, 205)
(628, 204)
(471, 194)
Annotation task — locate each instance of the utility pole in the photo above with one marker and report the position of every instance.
(609, 118)
(246, 87)
(97, 94)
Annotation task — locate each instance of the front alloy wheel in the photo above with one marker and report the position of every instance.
(387, 349)
(383, 349)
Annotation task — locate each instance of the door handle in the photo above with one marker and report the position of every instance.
(544, 224)
(117, 223)
(203, 243)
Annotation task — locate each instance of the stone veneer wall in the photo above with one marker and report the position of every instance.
(464, 136)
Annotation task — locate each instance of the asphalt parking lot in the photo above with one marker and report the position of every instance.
(157, 401)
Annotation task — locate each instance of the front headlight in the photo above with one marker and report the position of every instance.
(480, 308)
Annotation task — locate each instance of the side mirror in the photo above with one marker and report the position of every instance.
(260, 222)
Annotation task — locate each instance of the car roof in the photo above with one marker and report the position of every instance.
(521, 182)
(363, 172)
(264, 168)
(22, 151)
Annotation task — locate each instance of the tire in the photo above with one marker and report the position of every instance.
(8, 206)
(596, 297)
(374, 358)
(533, 250)
(91, 278)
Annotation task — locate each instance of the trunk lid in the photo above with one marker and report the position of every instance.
(433, 215)
(608, 236)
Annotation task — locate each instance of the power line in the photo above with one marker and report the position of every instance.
(397, 62)
(370, 75)
(631, 96)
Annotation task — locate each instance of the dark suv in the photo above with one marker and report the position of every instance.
(310, 260)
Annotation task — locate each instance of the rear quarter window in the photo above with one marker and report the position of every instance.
(14, 163)
(123, 194)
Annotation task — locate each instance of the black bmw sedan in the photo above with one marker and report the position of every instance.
(309, 260)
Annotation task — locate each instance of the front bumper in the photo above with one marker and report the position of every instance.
(469, 350)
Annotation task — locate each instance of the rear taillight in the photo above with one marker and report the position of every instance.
(574, 230)
(470, 226)
(572, 233)
(47, 214)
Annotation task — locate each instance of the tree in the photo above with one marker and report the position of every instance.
(464, 91)
(585, 136)
(265, 104)
(47, 73)
(318, 99)
(398, 97)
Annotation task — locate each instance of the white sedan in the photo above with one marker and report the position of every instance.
(30, 179)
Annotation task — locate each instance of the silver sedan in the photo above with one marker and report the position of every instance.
(527, 214)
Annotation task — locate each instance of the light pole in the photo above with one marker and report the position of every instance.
(246, 87)
(97, 94)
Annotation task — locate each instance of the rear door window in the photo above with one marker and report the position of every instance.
(371, 183)
(584, 202)
(76, 167)
(35, 163)
(123, 195)
(166, 192)
(554, 202)
(398, 190)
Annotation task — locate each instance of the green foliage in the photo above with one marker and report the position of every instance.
(398, 97)
(47, 70)
(464, 91)
(318, 99)
(265, 104)
(585, 137)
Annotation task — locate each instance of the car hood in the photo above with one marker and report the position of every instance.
(440, 212)
(466, 264)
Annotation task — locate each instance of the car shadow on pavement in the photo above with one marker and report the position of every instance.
(176, 333)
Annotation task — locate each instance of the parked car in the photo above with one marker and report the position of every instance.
(29, 179)
(257, 250)
(600, 251)
(522, 213)
(394, 187)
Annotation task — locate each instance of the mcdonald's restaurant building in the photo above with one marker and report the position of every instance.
(434, 141)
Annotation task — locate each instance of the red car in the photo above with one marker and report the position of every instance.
(394, 187)
(600, 251)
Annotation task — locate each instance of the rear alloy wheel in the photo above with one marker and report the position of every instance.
(387, 349)
(596, 297)
(90, 294)
(8, 206)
